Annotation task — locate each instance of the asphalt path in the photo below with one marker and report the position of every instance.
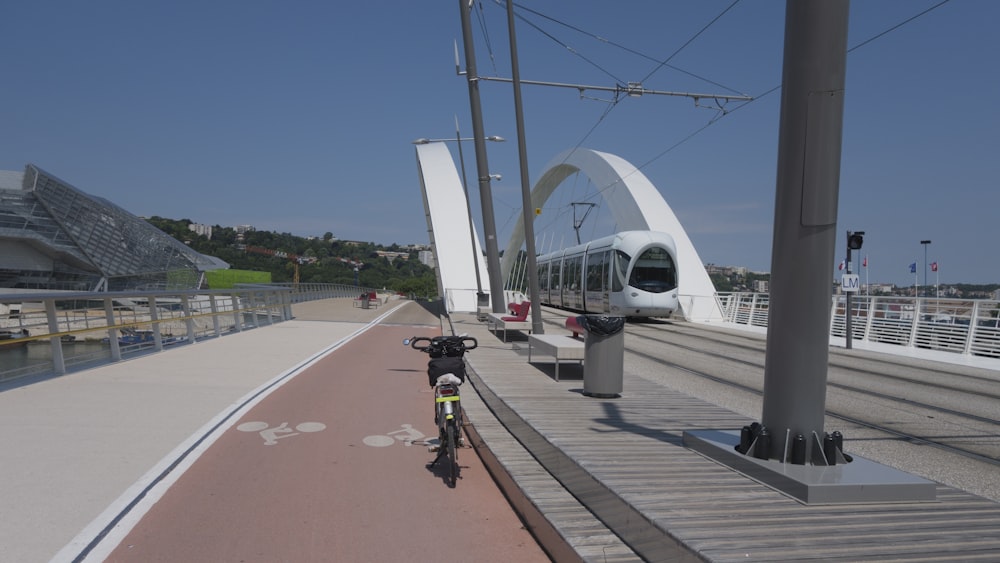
(332, 466)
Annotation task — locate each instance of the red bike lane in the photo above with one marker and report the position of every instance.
(323, 469)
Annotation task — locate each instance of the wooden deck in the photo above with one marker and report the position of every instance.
(624, 460)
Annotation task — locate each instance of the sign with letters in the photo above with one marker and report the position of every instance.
(850, 282)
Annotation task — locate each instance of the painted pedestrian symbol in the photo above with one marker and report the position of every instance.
(272, 435)
(406, 434)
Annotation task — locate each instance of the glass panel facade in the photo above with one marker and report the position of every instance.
(66, 239)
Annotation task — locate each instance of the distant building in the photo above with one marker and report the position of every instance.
(881, 288)
(393, 255)
(203, 230)
(760, 286)
(426, 258)
(727, 271)
(54, 236)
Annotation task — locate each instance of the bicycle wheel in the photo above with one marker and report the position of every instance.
(451, 443)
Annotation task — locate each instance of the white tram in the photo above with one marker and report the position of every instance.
(630, 274)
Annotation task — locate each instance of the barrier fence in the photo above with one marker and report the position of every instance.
(83, 328)
(962, 326)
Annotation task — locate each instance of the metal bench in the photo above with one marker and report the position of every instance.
(497, 321)
(560, 347)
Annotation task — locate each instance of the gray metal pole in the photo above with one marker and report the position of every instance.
(847, 317)
(534, 290)
(805, 220)
(468, 208)
(482, 167)
(925, 243)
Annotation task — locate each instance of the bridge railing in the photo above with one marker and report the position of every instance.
(85, 328)
(962, 326)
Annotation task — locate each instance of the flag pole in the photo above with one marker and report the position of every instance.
(866, 275)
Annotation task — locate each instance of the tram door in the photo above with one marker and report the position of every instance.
(572, 295)
(597, 281)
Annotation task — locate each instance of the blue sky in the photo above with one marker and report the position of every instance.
(298, 116)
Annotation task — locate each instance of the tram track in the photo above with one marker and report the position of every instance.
(743, 367)
(844, 366)
(976, 427)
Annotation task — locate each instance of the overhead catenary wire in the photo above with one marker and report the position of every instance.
(715, 119)
(617, 96)
(665, 64)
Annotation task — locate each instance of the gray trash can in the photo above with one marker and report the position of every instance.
(483, 306)
(365, 301)
(603, 355)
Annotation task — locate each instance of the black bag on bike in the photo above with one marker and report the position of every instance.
(437, 367)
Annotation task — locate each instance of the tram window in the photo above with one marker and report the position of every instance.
(543, 276)
(654, 271)
(573, 267)
(554, 275)
(595, 272)
(618, 268)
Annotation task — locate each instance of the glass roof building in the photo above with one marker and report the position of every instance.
(54, 236)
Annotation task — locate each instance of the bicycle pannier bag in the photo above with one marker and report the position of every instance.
(437, 367)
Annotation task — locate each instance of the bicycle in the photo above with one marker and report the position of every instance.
(446, 371)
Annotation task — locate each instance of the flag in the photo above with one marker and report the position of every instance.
(864, 263)
(841, 265)
(913, 268)
(933, 266)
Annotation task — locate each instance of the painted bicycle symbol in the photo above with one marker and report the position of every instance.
(406, 434)
(272, 435)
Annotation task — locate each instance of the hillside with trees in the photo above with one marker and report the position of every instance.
(332, 258)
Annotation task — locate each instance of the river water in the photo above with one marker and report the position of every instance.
(36, 357)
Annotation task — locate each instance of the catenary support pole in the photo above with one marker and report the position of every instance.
(482, 166)
(527, 209)
(805, 218)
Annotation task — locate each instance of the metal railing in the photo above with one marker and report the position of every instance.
(962, 326)
(91, 328)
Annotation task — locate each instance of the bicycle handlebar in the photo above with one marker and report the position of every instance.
(443, 345)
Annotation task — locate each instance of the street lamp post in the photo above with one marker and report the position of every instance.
(925, 243)
(468, 204)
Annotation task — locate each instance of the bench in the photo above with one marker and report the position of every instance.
(366, 300)
(519, 321)
(574, 327)
(560, 347)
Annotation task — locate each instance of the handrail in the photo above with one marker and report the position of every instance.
(961, 326)
(138, 321)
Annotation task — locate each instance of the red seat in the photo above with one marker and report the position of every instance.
(574, 326)
(521, 312)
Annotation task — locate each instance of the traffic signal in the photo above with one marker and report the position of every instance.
(855, 240)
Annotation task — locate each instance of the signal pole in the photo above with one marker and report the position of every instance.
(854, 242)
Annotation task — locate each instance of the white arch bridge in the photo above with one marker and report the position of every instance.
(635, 204)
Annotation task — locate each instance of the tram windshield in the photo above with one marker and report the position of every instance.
(654, 271)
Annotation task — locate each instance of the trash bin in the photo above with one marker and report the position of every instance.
(365, 301)
(603, 355)
(483, 308)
